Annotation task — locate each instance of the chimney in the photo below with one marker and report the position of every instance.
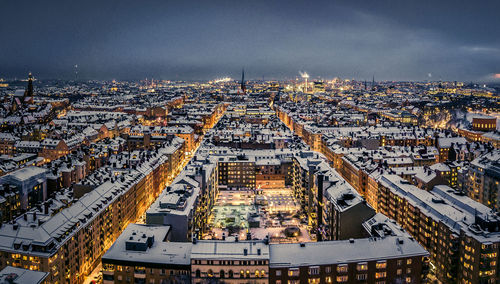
(236, 239)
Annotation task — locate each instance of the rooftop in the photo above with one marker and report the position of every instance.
(341, 252)
(16, 275)
(159, 252)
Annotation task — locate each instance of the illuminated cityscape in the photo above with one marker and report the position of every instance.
(220, 159)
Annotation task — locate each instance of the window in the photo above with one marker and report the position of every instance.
(380, 275)
(342, 268)
(293, 272)
(408, 261)
(343, 278)
(198, 273)
(408, 279)
(314, 270)
(278, 272)
(362, 277)
(399, 271)
(362, 266)
(328, 269)
(313, 281)
(381, 264)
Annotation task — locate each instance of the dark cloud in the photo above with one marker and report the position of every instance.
(126, 39)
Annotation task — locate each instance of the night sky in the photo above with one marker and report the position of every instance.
(198, 40)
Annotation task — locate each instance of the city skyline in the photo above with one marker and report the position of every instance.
(264, 142)
(276, 40)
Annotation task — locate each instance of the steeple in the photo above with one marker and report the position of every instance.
(28, 94)
(242, 84)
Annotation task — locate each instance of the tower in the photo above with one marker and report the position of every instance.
(242, 83)
(28, 94)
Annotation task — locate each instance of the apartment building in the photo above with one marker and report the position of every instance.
(230, 261)
(143, 254)
(370, 260)
(460, 234)
(69, 243)
(483, 179)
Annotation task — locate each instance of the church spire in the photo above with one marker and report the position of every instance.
(242, 83)
(28, 94)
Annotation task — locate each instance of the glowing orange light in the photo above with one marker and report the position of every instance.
(497, 76)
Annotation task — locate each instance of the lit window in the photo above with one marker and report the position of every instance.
(362, 266)
(343, 278)
(342, 268)
(381, 264)
(293, 272)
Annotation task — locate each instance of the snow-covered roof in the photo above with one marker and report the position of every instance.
(343, 252)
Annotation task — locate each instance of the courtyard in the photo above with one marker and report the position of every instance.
(258, 214)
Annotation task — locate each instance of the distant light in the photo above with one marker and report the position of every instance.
(497, 76)
(221, 80)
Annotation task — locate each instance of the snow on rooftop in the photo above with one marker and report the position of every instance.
(22, 276)
(161, 251)
(342, 252)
